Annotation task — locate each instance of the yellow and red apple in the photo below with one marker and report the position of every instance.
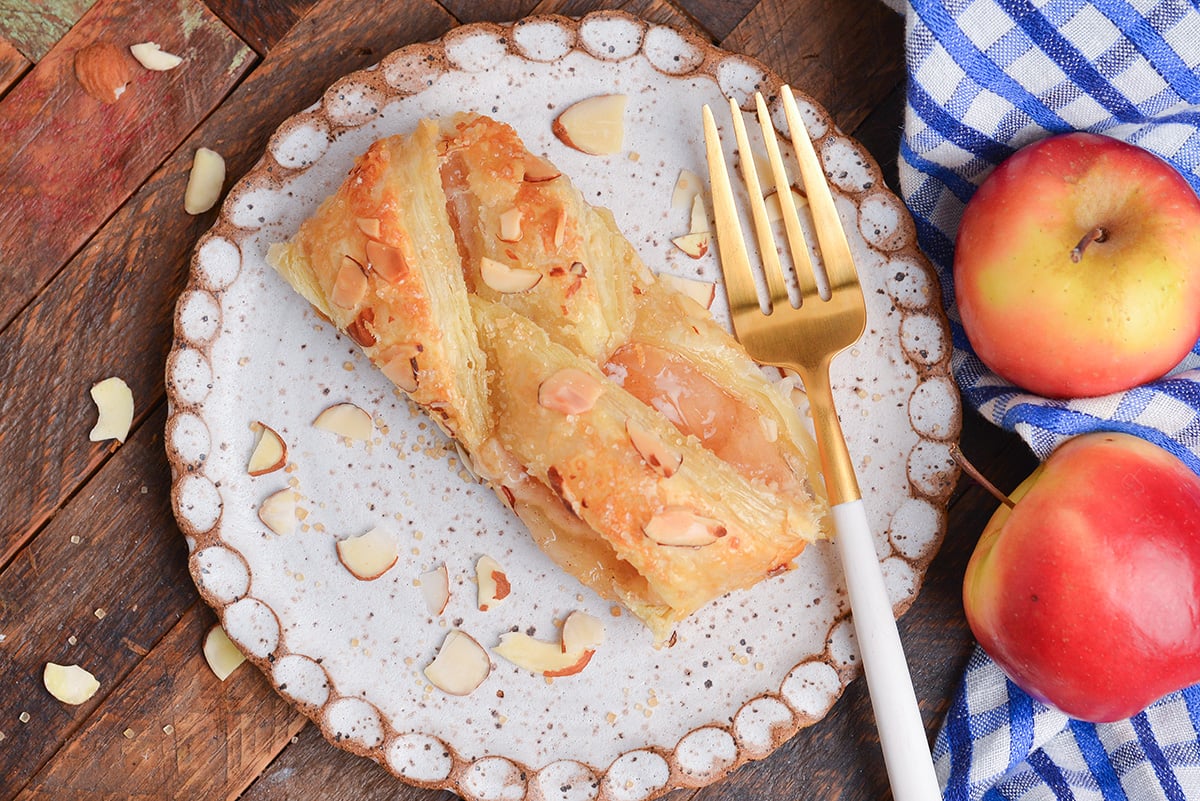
(1077, 267)
(1087, 591)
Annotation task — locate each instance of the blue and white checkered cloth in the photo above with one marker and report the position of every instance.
(985, 78)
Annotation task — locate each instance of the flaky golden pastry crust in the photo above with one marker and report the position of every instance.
(663, 469)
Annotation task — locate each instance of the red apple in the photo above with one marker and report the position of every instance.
(1077, 267)
(1087, 592)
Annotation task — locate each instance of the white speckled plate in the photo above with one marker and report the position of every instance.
(747, 671)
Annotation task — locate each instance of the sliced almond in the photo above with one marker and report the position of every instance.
(539, 656)
(346, 420)
(681, 527)
(582, 632)
(153, 57)
(699, 222)
(595, 126)
(222, 655)
(502, 278)
(399, 364)
(359, 329)
(204, 181)
(103, 70)
(460, 666)
(687, 186)
(774, 207)
(510, 225)
(369, 226)
(114, 403)
(368, 556)
(662, 458)
(537, 170)
(349, 286)
(570, 391)
(435, 589)
(390, 262)
(270, 451)
(493, 583)
(70, 684)
(695, 245)
(560, 229)
(278, 511)
(703, 292)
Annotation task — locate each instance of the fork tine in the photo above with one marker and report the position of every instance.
(797, 244)
(835, 250)
(735, 264)
(777, 289)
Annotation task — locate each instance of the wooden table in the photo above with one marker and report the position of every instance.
(94, 248)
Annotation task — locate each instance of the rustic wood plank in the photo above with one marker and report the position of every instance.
(12, 65)
(261, 23)
(113, 549)
(117, 298)
(718, 17)
(172, 730)
(657, 11)
(494, 11)
(73, 160)
(847, 54)
(35, 27)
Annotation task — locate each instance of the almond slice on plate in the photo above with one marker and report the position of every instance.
(346, 420)
(70, 684)
(114, 403)
(435, 589)
(539, 656)
(278, 511)
(595, 126)
(368, 556)
(687, 186)
(460, 666)
(270, 451)
(695, 245)
(700, 223)
(222, 655)
(582, 632)
(493, 583)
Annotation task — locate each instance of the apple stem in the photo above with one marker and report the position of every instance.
(1097, 234)
(979, 478)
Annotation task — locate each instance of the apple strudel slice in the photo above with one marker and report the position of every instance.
(647, 454)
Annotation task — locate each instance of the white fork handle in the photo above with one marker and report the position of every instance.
(901, 731)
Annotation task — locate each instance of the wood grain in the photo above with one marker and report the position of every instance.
(12, 65)
(847, 54)
(109, 549)
(262, 23)
(494, 11)
(73, 159)
(172, 730)
(120, 297)
(718, 17)
(35, 28)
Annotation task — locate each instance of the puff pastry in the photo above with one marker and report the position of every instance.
(644, 450)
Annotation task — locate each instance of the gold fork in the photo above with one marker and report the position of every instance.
(805, 340)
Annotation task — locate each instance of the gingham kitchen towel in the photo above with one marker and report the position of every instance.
(985, 78)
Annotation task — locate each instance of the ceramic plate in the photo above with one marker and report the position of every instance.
(746, 671)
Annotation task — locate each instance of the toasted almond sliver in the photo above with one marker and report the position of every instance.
(460, 666)
(695, 245)
(435, 589)
(510, 225)
(270, 451)
(370, 555)
(505, 279)
(278, 511)
(570, 391)
(681, 527)
(662, 458)
(493, 583)
(703, 292)
(539, 656)
(347, 420)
